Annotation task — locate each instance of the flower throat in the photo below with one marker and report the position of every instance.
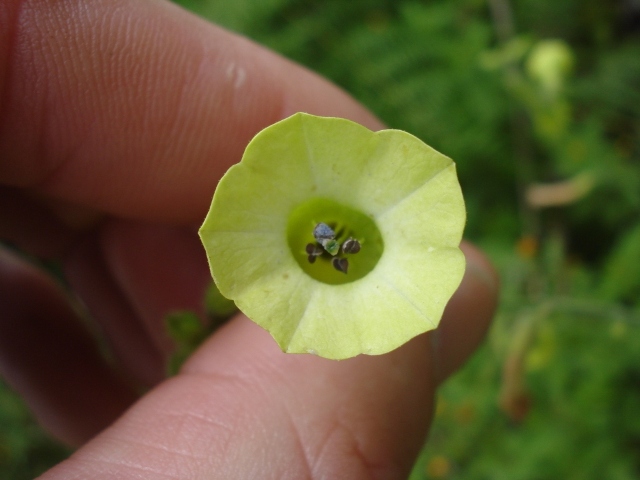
(333, 243)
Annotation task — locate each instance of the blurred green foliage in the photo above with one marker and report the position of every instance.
(25, 450)
(538, 101)
(188, 331)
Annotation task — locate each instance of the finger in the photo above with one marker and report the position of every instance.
(50, 360)
(128, 337)
(25, 222)
(130, 276)
(467, 316)
(242, 409)
(138, 110)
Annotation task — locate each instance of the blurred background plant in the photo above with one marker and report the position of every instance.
(538, 101)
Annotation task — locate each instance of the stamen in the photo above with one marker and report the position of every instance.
(322, 231)
(351, 245)
(340, 264)
(326, 237)
(313, 249)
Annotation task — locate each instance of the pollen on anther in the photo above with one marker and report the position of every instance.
(322, 231)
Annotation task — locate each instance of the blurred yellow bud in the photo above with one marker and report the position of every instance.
(550, 63)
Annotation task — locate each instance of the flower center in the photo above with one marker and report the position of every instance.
(333, 243)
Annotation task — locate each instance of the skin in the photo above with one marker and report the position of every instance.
(116, 121)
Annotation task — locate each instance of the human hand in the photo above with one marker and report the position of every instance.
(116, 121)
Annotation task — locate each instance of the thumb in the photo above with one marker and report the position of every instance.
(241, 408)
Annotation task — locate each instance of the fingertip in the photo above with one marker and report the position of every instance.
(480, 267)
(468, 314)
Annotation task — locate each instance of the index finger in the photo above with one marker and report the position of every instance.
(138, 108)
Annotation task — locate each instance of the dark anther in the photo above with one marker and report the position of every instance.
(351, 245)
(313, 249)
(340, 264)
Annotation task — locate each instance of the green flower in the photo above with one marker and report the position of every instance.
(396, 212)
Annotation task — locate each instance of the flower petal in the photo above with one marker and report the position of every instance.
(433, 214)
